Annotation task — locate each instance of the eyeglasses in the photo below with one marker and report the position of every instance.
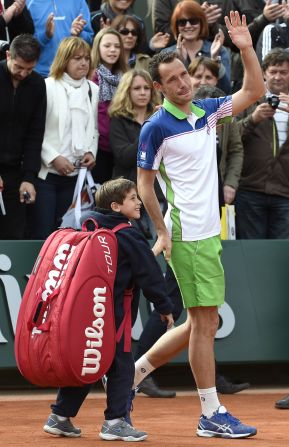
(126, 32)
(192, 21)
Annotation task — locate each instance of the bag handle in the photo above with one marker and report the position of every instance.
(89, 219)
(91, 187)
(36, 317)
(77, 194)
(84, 175)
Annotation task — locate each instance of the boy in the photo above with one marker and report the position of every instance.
(117, 203)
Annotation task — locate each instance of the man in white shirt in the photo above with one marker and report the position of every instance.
(178, 145)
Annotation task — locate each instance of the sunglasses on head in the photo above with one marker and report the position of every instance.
(192, 21)
(126, 32)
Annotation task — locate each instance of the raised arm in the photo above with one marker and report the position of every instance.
(253, 86)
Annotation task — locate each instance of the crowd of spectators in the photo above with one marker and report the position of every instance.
(93, 57)
(119, 43)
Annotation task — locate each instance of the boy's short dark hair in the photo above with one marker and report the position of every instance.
(113, 191)
(25, 46)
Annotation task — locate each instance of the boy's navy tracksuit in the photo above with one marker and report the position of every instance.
(136, 267)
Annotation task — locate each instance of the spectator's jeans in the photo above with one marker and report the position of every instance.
(53, 197)
(261, 216)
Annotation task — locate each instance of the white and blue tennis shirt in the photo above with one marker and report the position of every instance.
(182, 148)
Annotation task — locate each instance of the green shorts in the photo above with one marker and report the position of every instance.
(199, 271)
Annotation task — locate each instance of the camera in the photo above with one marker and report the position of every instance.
(273, 101)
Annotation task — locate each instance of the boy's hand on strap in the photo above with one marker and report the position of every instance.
(169, 318)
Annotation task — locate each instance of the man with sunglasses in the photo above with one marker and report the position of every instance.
(178, 146)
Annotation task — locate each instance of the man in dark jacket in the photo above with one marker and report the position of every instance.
(22, 123)
(15, 19)
(262, 201)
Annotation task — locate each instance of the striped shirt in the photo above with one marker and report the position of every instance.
(182, 148)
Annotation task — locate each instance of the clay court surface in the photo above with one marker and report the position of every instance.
(169, 422)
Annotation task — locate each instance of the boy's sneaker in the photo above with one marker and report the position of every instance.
(121, 431)
(223, 425)
(61, 428)
(129, 407)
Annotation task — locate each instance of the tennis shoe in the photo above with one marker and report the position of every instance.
(121, 431)
(55, 426)
(223, 425)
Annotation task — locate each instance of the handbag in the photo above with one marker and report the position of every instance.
(83, 200)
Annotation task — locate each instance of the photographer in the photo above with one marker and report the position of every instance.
(262, 201)
(22, 122)
(15, 19)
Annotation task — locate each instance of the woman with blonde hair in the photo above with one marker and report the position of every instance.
(71, 134)
(133, 102)
(108, 64)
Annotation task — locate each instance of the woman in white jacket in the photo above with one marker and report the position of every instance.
(71, 134)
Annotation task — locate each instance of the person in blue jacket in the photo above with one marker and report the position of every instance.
(136, 268)
(54, 20)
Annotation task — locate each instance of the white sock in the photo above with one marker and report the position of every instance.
(142, 368)
(61, 418)
(112, 421)
(209, 401)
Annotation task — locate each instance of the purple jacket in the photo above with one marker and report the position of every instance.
(103, 121)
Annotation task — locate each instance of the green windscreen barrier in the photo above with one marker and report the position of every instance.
(253, 322)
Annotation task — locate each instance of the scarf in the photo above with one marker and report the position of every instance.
(82, 126)
(108, 83)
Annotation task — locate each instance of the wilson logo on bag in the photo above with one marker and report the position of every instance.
(65, 334)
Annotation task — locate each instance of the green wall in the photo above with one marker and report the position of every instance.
(254, 320)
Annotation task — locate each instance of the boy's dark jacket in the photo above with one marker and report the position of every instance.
(136, 266)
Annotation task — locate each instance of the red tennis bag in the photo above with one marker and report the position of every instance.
(65, 334)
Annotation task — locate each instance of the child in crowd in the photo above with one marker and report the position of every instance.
(117, 203)
(108, 63)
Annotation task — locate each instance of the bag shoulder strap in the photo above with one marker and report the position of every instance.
(125, 326)
(121, 226)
